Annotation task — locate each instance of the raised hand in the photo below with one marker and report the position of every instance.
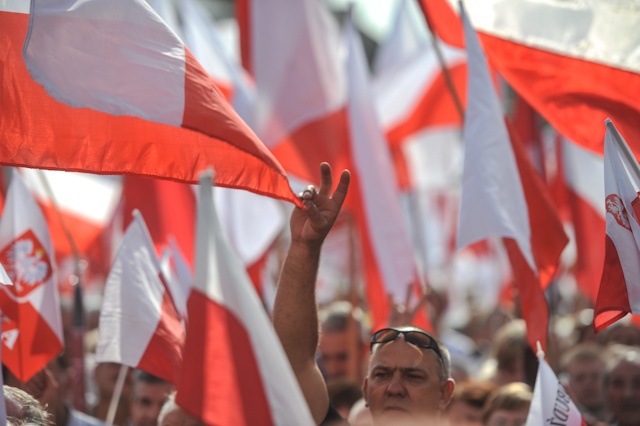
(311, 226)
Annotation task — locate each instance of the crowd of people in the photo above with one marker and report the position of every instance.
(398, 375)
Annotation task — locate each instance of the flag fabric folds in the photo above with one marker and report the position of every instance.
(576, 63)
(389, 263)
(293, 51)
(31, 322)
(619, 292)
(235, 370)
(501, 198)
(551, 405)
(139, 324)
(144, 104)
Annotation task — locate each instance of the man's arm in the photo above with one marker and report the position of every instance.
(295, 315)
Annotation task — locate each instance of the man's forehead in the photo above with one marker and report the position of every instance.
(400, 354)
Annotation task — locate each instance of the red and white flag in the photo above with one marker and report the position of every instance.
(619, 292)
(388, 257)
(502, 196)
(139, 324)
(551, 405)
(583, 175)
(576, 63)
(148, 107)
(31, 323)
(169, 209)
(234, 371)
(84, 202)
(412, 99)
(202, 36)
(293, 51)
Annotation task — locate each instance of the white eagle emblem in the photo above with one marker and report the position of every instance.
(26, 263)
(614, 205)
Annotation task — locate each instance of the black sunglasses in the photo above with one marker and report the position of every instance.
(416, 337)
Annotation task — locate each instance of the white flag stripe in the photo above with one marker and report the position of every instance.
(21, 214)
(385, 224)
(492, 201)
(598, 31)
(621, 185)
(550, 404)
(296, 54)
(90, 197)
(132, 299)
(584, 173)
(222, 277)
(152, 86)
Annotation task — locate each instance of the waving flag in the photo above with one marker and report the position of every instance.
(414, 104)
(619, 292)
(584, 180)
(388, 257)
(139, 324)
(292, 49)
(31, 324)
(550, 404)
(235, 371)
(147, 107)
(576, 63)
(84, 202)
(501, 196)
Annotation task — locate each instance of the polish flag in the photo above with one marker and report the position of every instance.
(235, 371)
(31, 323)
(84, 202)
(204, 39)
(293, 51)
(414, 104)
(169, 209)
(139, 324)
(388, 257)
(619, 292)
(584, 179)
(503, 196)
(575, 62)
(147, 106)
(551, 405)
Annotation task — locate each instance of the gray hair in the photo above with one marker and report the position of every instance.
(25, 410)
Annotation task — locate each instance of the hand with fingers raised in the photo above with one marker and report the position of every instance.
(311, 225)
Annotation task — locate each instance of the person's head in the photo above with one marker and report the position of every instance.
(172, 415)
(339, 325)
(582, 368)
(105, 376)
(622, 384)
(515, 360)
(622, 333)
(468, 401)
(508, 405)
(343, 393)
(23, 409)
(149, 395)
(408, 380)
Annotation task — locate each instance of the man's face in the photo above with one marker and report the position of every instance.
(403, 384)
(334, 354)
(586, 379)
(147, 402)
(623, 392)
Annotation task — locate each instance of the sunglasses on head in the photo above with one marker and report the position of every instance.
(416, 337)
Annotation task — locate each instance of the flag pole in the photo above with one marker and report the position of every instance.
(632, 162)
(443, 66)
(117, 393)
(76, 353)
